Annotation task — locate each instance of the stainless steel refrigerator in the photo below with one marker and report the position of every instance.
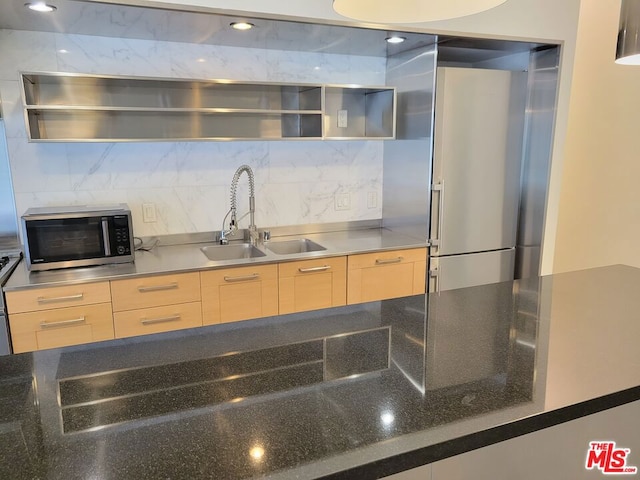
(478, 138)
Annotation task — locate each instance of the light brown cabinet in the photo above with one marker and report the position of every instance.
(33, 300)
(156, 304)
(166, 318)
(239, 293)
(75, 314)
(384, 275)
(312, 284)
(60, 316)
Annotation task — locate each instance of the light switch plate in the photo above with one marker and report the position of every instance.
(149, 212)
(343, 201)
(343, 119)
(372, 199)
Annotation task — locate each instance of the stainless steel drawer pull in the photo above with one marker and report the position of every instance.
(382, 261)
(242, 278)
(62, 323)
(314, 269)
(157, 288)
(151, 321)
(43, 300)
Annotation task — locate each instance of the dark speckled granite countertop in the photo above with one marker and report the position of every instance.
(353, 392)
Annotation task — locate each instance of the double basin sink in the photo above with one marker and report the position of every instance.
(241, 251)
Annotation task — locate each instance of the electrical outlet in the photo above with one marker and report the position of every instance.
(149, 212)
(372, 200)
(343, 119)
(343, 201)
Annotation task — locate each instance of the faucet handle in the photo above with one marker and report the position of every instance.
(266, 235)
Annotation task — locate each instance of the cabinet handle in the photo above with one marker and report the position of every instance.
(43, 300)
(382, 261)
(157, 288)
(61, 323)
(151, 321)
(314, 269)
(242, 278)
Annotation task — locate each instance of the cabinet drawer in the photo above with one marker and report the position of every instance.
(155, 291)
(391, 257)
(312, 284)
(157, 319)
(61, 327)
(34, 300)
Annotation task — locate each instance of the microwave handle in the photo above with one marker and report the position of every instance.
(105, 237)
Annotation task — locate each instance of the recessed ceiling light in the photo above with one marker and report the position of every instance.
(40, 7)
(395, 39)
(242, 25)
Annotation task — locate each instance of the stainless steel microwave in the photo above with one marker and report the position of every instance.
(77, 236)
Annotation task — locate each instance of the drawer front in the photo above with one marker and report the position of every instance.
(312, 284)
(61, 327)
(155, 291)
(391, 257)
(34, 300)
(157, 319)
(242, 293)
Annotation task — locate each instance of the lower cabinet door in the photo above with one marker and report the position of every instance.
(157, 319)
(312, 284)
(241, 293)
(61, 327)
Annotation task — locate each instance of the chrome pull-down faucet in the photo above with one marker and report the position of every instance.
(233, 222)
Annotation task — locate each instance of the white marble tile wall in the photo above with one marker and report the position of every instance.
(296, 181)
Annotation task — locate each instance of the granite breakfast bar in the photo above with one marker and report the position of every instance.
(362, 391)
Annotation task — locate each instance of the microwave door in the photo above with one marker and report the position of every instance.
(105, 237)
(65, 240)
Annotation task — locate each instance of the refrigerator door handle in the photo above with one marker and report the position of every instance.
(435, 239)
(434, 274)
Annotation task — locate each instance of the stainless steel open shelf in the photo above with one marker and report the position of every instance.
(370, 112)
(74, 107)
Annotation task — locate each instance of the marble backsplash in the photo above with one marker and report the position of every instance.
(296, 181)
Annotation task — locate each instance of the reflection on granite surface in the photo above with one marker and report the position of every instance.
(309, 395)
(21, 442)
(260, 397)
(108, 398)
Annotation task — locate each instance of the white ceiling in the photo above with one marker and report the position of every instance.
(206, 27)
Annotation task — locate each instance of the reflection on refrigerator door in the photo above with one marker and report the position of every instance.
(483, 316)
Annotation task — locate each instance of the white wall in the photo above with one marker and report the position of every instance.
(600, 197)
(188, 181)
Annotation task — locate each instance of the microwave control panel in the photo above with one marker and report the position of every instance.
(122, 235)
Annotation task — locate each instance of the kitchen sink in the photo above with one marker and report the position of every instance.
(236, 251)
(290, 247)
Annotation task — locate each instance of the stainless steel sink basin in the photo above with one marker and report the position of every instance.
(236, 251)
(290, 247)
